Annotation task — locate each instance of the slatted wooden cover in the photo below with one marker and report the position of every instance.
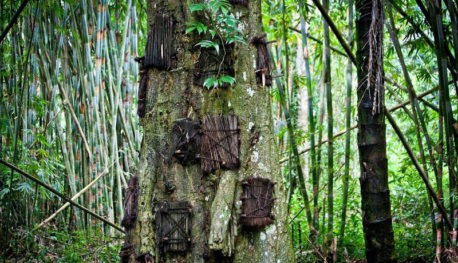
(126, 252)
(210, 64)
(239, 2)
(130, 203)
(186, 141)
(159, 49)
(262, 61)
(257, 202)
(220, 143)
(173, 226)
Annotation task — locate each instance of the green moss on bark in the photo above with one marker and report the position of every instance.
(215, 198)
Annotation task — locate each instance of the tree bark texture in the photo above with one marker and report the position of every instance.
(375, 203)
(171, 95)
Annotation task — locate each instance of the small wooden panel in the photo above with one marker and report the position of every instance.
(210, 64)
(239, 2)
(186, 141)
(159, 49)
(130, 204)
(262, 61)
(173, 226)
(257, 202)
(126, 252)
(220, 143)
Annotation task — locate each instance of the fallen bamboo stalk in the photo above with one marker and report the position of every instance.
(67, 204)
(355, 126)
(37, 181)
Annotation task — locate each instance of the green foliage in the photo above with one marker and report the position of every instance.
(32, 109)
(212, 82)
(60, 246)
(217, 26)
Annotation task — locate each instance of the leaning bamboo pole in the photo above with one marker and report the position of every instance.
(37, 181)
(416, 111)
(75, 197)
(387, 112)
(77, 123)
(419, 169)
(354, 126)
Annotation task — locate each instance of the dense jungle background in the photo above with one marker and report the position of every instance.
(68, 118)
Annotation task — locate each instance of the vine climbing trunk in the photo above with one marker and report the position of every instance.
(192, 206)
(375, 195)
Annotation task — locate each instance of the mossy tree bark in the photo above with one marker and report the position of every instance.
(215, 198)
(375, 195)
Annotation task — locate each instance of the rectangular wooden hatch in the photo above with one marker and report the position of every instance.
(257, 202)
(220, 143)
(173, 226)
(186, 141)
(159, 45)
(214, 64)
(263, 75)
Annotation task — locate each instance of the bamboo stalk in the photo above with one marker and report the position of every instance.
(292, 140)
(330, 128)
(13, 20)
(334, 29)
(310, 119)
(354, 126)
(418, 167)
(67, 204)
(349, 79)
(416, 111)
(21, 172)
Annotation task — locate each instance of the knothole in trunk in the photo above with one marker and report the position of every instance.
(262, 60)
(130, 204)
(126, 252)
(159, 50)
(257, 202)
(239, 2)
(220, 143)
(186, 141)
(145, 258)
(173, 226)
(213, 64)
(142, 92)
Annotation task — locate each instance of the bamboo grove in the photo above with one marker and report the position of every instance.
(343, 72)
(68, 112)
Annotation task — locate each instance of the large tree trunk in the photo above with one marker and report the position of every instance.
(216, 233)
(377, 223)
